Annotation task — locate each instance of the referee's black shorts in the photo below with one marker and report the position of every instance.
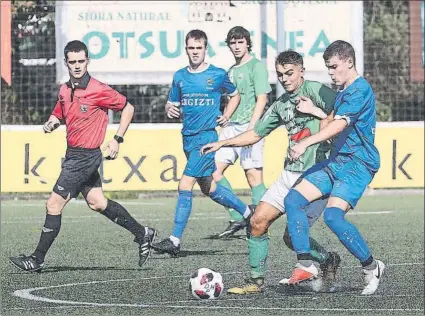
(79, 172)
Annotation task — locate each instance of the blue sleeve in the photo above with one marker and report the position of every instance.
(174, 96)
(350, 107)
(227, 86)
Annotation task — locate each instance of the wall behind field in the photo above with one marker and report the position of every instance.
(152, 158)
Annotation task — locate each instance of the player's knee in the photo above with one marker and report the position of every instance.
(98, 205)
(287, 239)
(294, 199)
(53, 207)
(333, 216)
(205, 184)
(217, 175)
(259, 225)
(254, 177)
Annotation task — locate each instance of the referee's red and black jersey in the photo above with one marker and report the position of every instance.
(85, 111)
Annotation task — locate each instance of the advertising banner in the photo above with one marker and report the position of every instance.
(143, 42)
(152, 158)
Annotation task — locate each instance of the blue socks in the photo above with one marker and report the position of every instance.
(347, 233)
(298, 227)
(334, 217)
(183, 209)
(221, 195)
(227, 198)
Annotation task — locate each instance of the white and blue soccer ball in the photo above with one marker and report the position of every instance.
(206, 284)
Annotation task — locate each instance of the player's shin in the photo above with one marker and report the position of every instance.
(182, 214)
(50, 230)
(234, 216)
(258, 253)
(298, 226)
(317, 252)
(119, 215)
(223, 196)
(348, 234)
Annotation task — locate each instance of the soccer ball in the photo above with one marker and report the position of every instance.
(206, 284)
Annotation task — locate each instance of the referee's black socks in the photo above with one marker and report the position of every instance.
(119, 215)
(50, 230)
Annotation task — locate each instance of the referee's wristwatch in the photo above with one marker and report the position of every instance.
(119, 139)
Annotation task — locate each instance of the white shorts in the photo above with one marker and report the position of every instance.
(277, 192)
(250, 156)
(280, 188)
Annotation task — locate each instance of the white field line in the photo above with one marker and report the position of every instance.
(27, 294)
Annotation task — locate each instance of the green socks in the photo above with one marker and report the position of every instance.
(257, 193)
(258, 252)
(234, 216)
(317, 251)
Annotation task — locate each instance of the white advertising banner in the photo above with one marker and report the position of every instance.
(143, 42)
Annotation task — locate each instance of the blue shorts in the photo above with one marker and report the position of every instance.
(342, 177)
(198, 166)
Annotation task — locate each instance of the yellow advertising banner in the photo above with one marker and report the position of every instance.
(151, 158)
(401, 147)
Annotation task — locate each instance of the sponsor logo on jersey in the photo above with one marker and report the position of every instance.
(84, 108)
(210, 84)
(301, 134)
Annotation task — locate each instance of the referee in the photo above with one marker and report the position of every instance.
(83, 104)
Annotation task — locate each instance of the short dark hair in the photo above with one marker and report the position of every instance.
(239, 32)
(290, 57)
(75, 47)
(197, 35)
(342, 49)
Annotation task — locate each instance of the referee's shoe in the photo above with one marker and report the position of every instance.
(27, 263)
(145, 245)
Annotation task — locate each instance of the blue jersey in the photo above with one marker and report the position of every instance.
(199, 94)
(356, 104)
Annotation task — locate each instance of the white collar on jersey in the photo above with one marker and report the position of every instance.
(245, 62)
(197, 71)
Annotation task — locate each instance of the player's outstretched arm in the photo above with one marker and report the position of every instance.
(244, 139)
(325, 122)
(332, 129)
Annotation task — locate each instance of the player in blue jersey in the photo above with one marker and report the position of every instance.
(196, 91)
(345, 175)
